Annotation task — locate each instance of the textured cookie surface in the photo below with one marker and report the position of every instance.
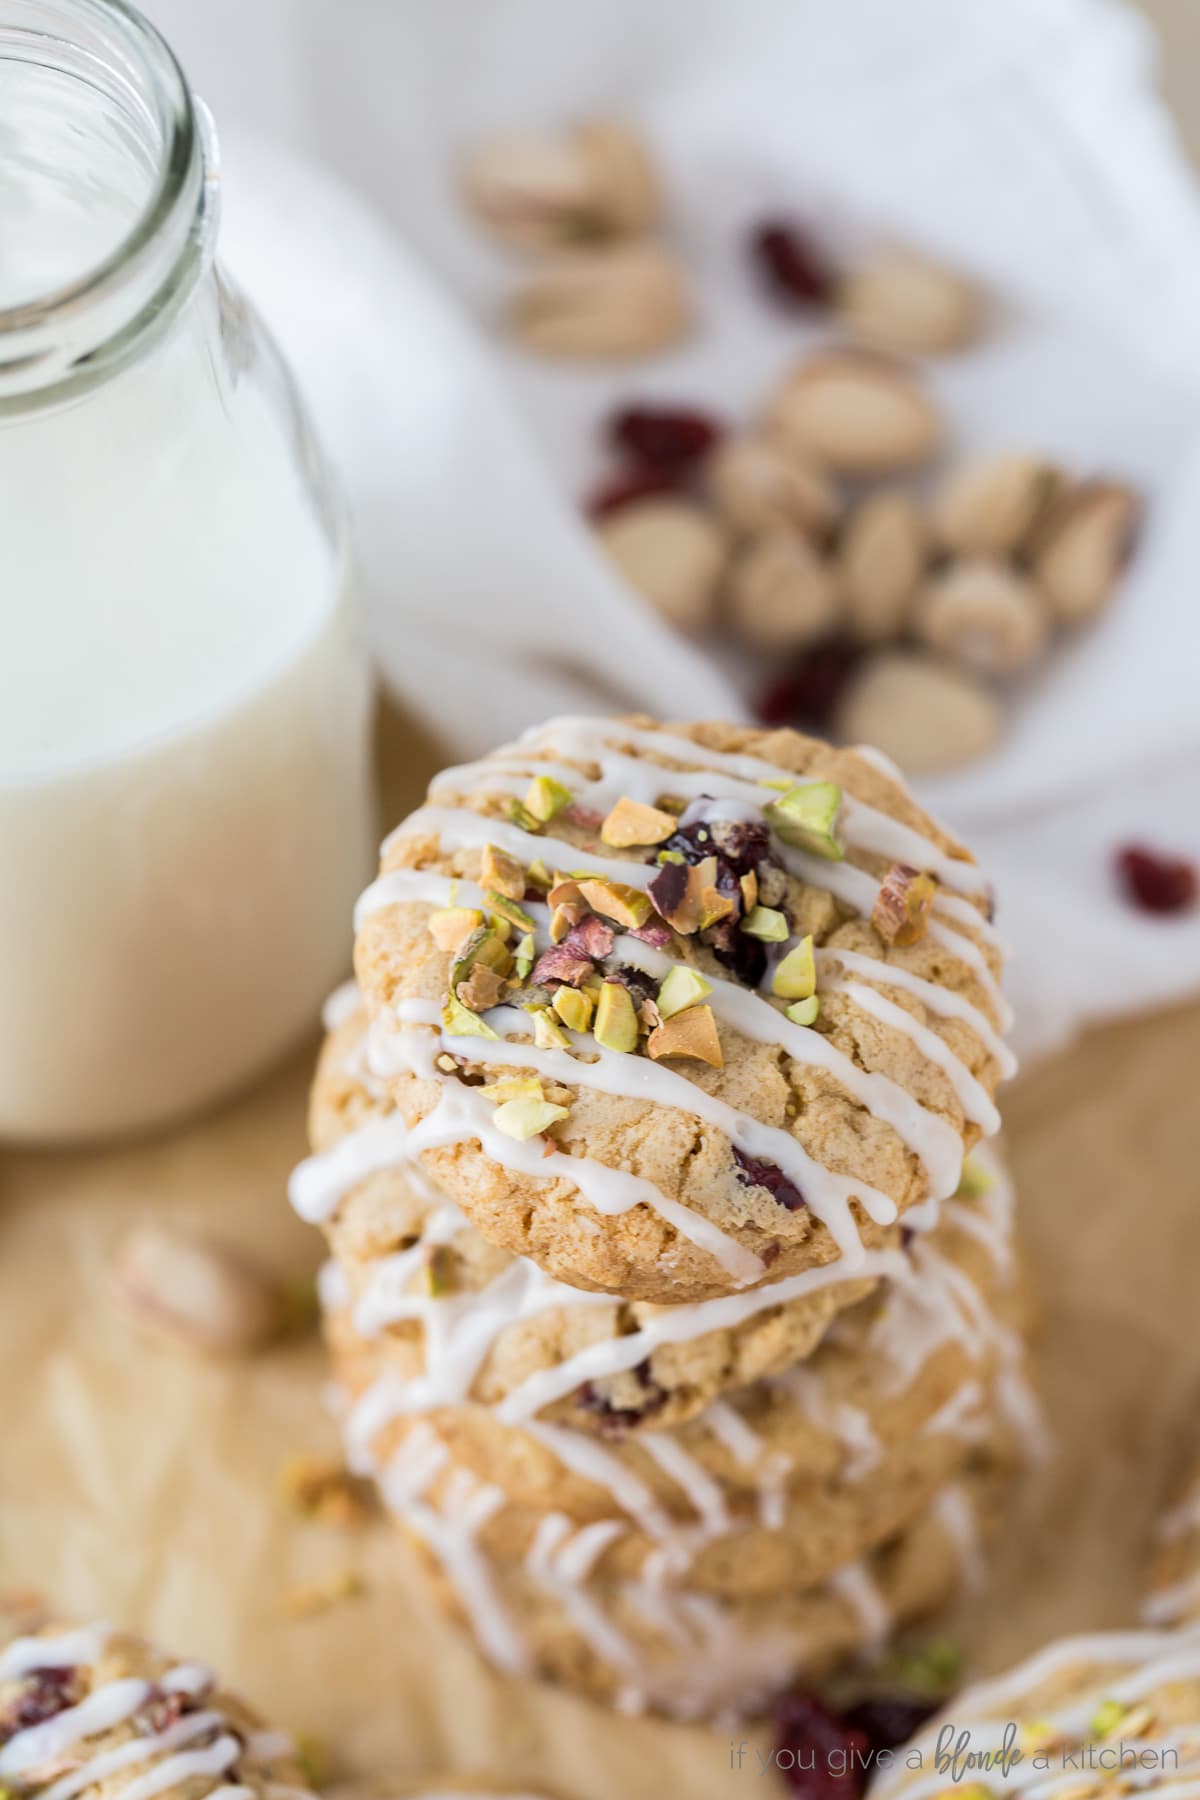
(1106, 1714)
(677, 1651)
(112, 1714)
(1174, 1596)
(674, 1007)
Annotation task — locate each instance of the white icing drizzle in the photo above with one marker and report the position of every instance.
(341, 1005)
(560, 1561)
(1152, 1659)
(320, 1183)
(103, 1710)
(138, 1750)
(963, 1414)
(728, 1425)
(955, 1514)
(68, 1649)
(935, 998)
(858, 1588)
(1169, 1604)
(972, 1097)
(703, 1493)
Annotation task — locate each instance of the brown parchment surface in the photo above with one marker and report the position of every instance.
(141, 1484)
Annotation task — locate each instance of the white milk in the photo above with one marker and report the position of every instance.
(185, 797)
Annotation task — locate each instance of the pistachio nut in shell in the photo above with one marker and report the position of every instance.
(902, 301)
(624, 300)
(673, 553)
(759, 483)
(881, 558)
(1083, 548)
(544, 191)
(857, 412)
(781, 593)
(991, 505)
(203, 1292)
(985, 614)
(921, 711)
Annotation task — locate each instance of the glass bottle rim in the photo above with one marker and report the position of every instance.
(110, 306)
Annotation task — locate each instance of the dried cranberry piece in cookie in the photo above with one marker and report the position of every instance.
(890, 1721)
(820, 1755)
(754, 1171)
(48, 1692)
(615, 1421)
(1157, 883)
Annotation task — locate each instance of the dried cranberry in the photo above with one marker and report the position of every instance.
(820, 1756)
(808, 694)
(624, 489)
(667, 438)
(794, 269)
(1157, 883)
(754, 1171)
(745, 957)
(48, 1693)
(887, 1722)
(636, 982)
(615, 1421)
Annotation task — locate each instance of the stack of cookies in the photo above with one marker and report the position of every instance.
(671, 1302)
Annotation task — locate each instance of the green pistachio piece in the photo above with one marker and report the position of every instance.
(521, 816)
(546, 797)
(807, 817)
(682, 988)
(508, 910)
(628, 907)
(513, 1087)
(1106, 1718)
(523, 1119)
(671, 856)
(767, 923)
(453, 926)
(616, 1025)
(796, 976)
(974, 1181)
(499, 870)
(804, 1012)
(574, 1007)
(525, 957)
(438, 1272)
(447, 1064)
(538, 875)
(461, 1022)
(548, 1034)
(483, 946)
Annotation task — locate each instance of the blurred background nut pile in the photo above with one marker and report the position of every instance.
(875, 587)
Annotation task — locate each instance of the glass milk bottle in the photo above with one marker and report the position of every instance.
(185, 793)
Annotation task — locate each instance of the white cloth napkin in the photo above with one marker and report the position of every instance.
(1023, 142)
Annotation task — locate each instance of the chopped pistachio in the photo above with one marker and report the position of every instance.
(438, 1270)
(630, 825)
(521, 816)
(522, 1119)
(682, 988)
(485, 947)
(502, 872)
(461, 1022)
(933, 1667)
(452, 926)
(538, 875)
(749, 886)
(901, 911)
(548, 1034)
(768, 924)
(690, 901)
(525, 957)
(574, 1007)
(447, 1064)
(692, 1033)
(796, 976)
(671, 856)
(546, 797)
(1107, 1718)
(628, 907)
(616, 1025)
(1036, 1735)
(508, 910)
(781, 783)
(481, 989)
(804, 1012)
(513, 1087)
(807, 817)
(974, 1180)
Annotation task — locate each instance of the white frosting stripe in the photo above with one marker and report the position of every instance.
(69, 1649)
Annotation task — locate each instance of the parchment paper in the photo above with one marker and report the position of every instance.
(141, 1484)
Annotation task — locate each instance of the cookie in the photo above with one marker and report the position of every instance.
(670, 1010)
(108, 1714)
(648, 1647)
(1108, 1714)
(1174, 1596)
(418, 1273)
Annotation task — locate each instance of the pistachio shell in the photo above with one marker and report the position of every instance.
(858, 413)
(1083, 548)
(984, 614)
(759, 483)
(539, 192)
(881, 558)
(673, 553)
(781, 593)
(991, 505)
(909, 303)
(922, 712)
(600, 304)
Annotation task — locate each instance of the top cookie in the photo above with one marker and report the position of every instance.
(668, 1007)
(94, 1711)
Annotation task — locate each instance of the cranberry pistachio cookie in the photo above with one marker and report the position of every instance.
(465, 1320)
(93, 1711)
(1174, 1595)
(672, 1010)
(647, 1646)
(1103, 1715)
